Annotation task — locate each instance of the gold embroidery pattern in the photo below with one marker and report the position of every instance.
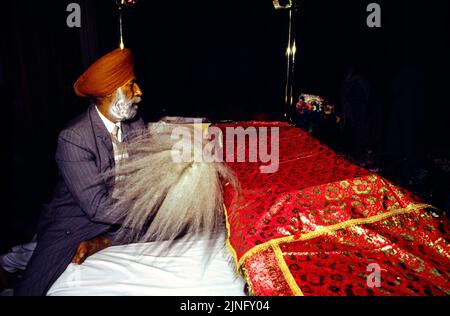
(329, 229)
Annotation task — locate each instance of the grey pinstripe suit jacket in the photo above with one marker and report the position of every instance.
(79, 209)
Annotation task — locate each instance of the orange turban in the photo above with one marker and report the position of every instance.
(106, 75)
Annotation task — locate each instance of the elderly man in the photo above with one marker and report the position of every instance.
(77, 221)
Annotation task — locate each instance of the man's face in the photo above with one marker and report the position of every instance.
(124, 105)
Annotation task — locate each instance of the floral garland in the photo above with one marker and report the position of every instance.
(308, 104)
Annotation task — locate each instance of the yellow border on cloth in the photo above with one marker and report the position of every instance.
(324, 230)
(230, 247)
(275, 243)
(286, 272)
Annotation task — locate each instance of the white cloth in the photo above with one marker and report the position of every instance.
(18, 257)
(143, 270)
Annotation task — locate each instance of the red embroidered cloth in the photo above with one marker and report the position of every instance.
(322, 226)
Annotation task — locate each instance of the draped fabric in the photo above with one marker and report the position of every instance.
(193, 266)
(322, 226)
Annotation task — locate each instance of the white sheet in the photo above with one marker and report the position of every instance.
(141, 270)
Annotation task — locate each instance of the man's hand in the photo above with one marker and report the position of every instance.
(90, 247)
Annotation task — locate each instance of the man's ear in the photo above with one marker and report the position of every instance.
(106, 99)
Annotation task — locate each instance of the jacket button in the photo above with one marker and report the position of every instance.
(68, 233)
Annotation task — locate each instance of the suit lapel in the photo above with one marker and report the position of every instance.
(101, 133)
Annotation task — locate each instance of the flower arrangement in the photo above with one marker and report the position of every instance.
(308, 104)
(314, 111)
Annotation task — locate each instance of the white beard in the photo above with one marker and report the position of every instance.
(123, 109)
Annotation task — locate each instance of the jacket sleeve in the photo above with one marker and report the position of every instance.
(78, 168)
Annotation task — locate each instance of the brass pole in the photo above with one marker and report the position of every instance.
(291, 53)
(121, 41)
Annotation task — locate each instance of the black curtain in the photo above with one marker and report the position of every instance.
(40, 58)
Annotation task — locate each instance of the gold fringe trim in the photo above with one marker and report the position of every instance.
(249, 282)
(286, 272)
(322, 231)
(230, 247)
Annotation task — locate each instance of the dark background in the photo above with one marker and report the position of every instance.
(225, 60)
